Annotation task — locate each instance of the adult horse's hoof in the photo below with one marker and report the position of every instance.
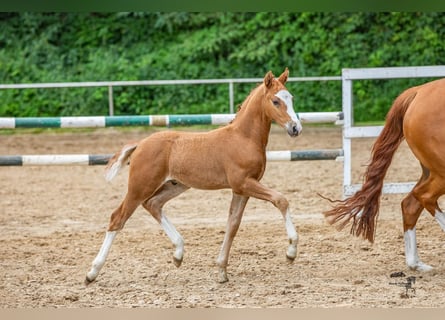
(420, 266)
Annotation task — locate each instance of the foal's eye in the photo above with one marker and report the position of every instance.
(276, 102)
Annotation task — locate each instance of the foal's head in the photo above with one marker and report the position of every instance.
(278, 103)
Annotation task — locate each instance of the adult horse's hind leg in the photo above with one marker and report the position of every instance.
(154, 205)
(411, 210)
(424, 195)
(237, 207)
(117, 222)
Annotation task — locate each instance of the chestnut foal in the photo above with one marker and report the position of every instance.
(167, 163)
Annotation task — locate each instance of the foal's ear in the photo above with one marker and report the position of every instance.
(283, 77)
(268, 79)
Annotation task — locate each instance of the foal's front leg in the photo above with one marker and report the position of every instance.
(254, 188)
(233, 222)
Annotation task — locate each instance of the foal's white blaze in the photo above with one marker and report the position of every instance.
(174, 236)
(287, 99)
(411, 256)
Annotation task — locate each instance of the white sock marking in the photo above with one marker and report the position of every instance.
(440, 218)
(292, 234)
(411, 248)
(174, 236)
(411, 255)
(99, 261)
(290, 229)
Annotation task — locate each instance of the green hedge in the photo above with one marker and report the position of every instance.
(67, 47)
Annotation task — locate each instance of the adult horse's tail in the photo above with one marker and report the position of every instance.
(119, 158)
(363, 207)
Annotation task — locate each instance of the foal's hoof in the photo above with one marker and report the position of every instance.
(223, 279)
(177, 262)
(223, 276)
(88, 281)
(291, 253)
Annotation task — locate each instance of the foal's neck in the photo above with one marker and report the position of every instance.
(251, 120)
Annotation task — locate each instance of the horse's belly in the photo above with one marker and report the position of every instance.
(205, 180)
(198, 172)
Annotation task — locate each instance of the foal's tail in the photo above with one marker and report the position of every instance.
(363, 207)
(119, 158)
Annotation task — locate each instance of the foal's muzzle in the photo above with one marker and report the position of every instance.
(293, 128)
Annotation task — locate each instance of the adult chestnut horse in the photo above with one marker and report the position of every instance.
(167, 163)
(418, 115)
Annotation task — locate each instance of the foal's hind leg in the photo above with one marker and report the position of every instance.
(237, 207)
(117, 222)
(154, 205)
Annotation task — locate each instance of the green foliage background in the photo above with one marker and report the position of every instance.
(70, 47)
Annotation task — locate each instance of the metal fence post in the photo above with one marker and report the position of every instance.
(110, 101)
(231, 96)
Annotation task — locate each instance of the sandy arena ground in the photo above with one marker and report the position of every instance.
(53, 221)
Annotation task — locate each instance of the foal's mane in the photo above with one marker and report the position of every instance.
(245, 102)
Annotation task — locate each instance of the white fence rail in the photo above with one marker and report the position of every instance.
(111, 84)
